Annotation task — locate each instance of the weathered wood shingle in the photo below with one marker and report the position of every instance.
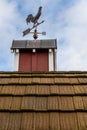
(30, 44)
(43, 101)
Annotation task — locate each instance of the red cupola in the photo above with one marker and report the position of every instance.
(34, 55)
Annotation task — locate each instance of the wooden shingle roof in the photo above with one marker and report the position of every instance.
(43, 101)
(36, 44)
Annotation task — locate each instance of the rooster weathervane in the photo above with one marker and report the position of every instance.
(34, 20)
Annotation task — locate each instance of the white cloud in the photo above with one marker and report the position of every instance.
(74, 33)
(8, 30)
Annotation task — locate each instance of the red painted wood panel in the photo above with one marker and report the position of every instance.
(34, 62)
(25, 61)
(29, 61)
(42, 61)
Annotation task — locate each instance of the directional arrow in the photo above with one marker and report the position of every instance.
(29, 29)
(26, 31)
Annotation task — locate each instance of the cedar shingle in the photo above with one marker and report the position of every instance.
(41, 103)
(53, 103)
(74, 80)
(1, 88)
(54, 121)
(4, 121)
(14, 121)
(84, 98)
(47, 80)
(19, 90)
(42, 90)
(14, 80)
(68, 121)
(16, 103)
(82, 80)
(41, 121)
(30, 90)
(62, 80)
(35, 80)
(27, 122)
(5, 103)
(84, 88)
(79, 89)
(78, 103)
(6, 90)
(25, 80)
(66, 103)
(28, 103)
(54, 89)
(4, 80)
(66, 90)
(4, 74)
(82, 120)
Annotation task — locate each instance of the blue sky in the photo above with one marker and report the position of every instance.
(65, 20)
